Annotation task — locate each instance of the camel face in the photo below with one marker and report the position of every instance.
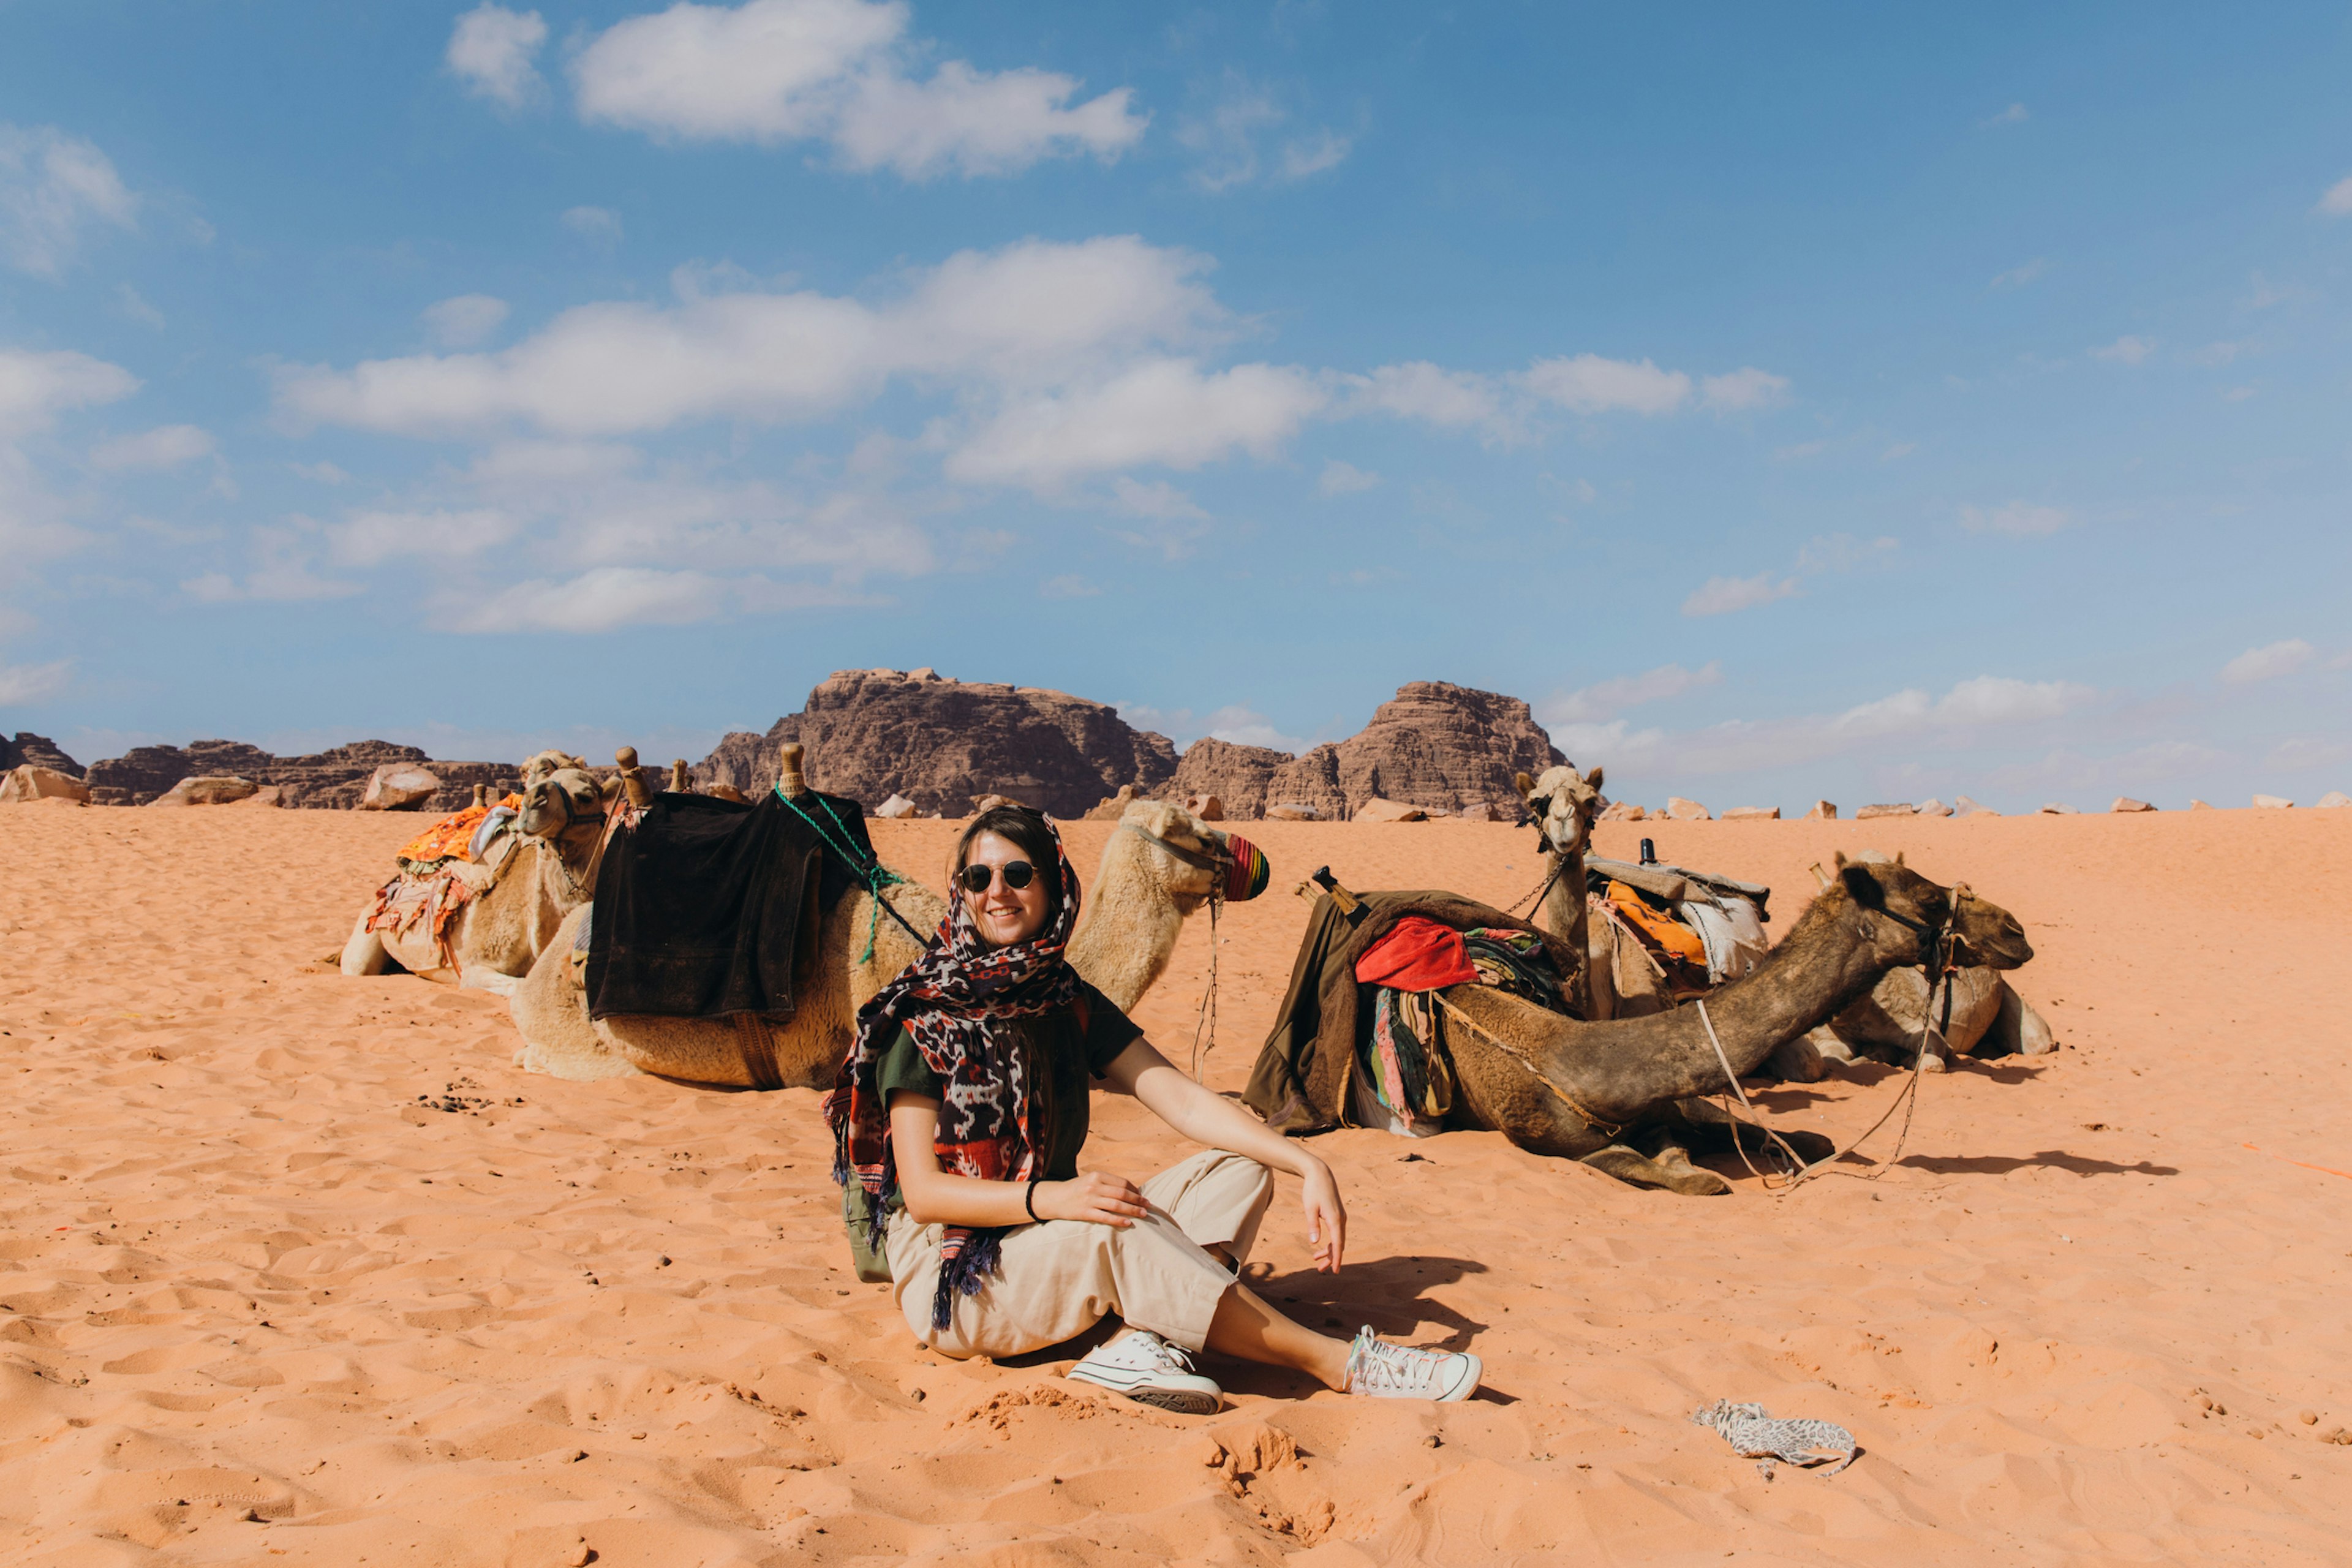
(1188, 885)
(1987, 933)
(558, 801)
(1564, 803)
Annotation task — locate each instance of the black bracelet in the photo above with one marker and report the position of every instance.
(1029, 1199)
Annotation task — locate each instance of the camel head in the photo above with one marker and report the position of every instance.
(546, 762)
(1564, 802)
(1982, 931)
(559, 800)
(1191, 857)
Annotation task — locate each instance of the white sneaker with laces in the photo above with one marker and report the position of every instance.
(1383, 1370)
(1147, 1368)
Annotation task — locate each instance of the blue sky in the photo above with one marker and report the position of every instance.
(1846, 401)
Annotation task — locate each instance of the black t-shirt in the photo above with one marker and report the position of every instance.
(1073, 1054)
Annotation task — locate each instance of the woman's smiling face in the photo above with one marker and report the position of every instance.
(1001, 913)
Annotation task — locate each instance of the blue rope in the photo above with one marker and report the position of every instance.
(873, 873)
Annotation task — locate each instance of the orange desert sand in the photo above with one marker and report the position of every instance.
(300, 1268)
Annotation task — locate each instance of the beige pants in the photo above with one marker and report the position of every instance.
(1059, 1278)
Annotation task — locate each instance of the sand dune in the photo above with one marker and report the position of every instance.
(299, 1268)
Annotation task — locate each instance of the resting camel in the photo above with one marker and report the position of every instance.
(546, 876)
(1156, 869)
(1565, 802)
(1586, 1090)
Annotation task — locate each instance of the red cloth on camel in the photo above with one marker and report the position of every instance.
(1417, 954)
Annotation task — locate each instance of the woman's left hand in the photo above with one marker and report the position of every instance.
(1327, 1217)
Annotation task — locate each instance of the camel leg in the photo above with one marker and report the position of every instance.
(2017, 1029)
(1635, 1168)
(364, 952)
(1706, 1118)
(489, 980)
(551, 1011)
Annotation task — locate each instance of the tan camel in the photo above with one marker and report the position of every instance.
(517, 906)
(1134, 908)
(1590, 1091)
(1564, 803)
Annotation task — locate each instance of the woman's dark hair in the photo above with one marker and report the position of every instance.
(1027, 830)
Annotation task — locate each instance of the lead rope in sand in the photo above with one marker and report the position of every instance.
(1907, 1097)
(1207, 1020)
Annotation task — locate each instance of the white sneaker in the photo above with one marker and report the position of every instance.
(1383, 1370)
(1147, 1368)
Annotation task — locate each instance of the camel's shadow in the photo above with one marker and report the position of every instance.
(2058, 1159)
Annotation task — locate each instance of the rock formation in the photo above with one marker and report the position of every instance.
(1443, 748)
(1823, 811)
(211, 789)
(1681, 810)
(1885, 808)
(38, 750)
(872, 733)
(2125, 803)
(1752, 813)
(28, 781)
(331, 780)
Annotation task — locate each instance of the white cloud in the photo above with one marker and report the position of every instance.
(1310, 155)
(2015, 114)
(2269, 662)
(1165, 412)
(2236, 394)
(282, 574)
(835, 71)
(1069, 586)
(1971, 710)
(134, 305)
(370, 538)
(1589, 383)
(2299, 752)
(463, 320)
(2219, 353)
(165, 447)
(1242, 725)
(1744, 388)
(1031, 312)
(1722, 595)
(2019, 519)
(2125, 351)
(600, 226)
(37, 386)
(491, 49)
(2337, 200)
(611, 597)
(1345, 479)
(1606, 698)
(1227, 141)
(1419, 390)
(1158, 499)
(52, 187)
(29, 683)
(1844, 552)
(322, 473)
(2019, 277)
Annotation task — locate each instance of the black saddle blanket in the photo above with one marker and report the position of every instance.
(704, 906)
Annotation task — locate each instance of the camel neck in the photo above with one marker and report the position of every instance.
(1825, 963)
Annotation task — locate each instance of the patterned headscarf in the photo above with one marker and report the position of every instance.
(956, 1001)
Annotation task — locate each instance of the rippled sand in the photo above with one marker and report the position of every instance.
(295, 1267)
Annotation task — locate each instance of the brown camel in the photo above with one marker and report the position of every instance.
(1155, 871)
(1565, 802)
(1590, 1091)
(517, 908)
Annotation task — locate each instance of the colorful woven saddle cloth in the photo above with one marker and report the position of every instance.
(454, 836)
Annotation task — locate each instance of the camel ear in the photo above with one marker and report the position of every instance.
(1593, 778)
(1838, 860)
(1898, 857)
(1524, 784)
(1864, 888)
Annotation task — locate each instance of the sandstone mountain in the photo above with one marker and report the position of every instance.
(1441, 747)
(38, 750)
(872, 733)
(329, 779)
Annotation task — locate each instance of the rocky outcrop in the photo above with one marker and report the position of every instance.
(210, 790)
(28, 781)
(399, 786)
(872, 733)
(331, 780)
(1444, 749)
(39, 750)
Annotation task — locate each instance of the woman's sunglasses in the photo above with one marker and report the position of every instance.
(1018, 874)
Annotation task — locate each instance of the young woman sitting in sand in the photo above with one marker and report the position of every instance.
(961, 1113)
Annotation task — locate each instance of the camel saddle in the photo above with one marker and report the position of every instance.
(1300, 1083)
(708, 908)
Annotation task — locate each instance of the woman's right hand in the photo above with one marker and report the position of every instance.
(1095, 1197)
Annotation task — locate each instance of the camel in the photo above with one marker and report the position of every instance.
(1157, 870)
(1565, 802)
(518, 908)
(1587, 1091)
